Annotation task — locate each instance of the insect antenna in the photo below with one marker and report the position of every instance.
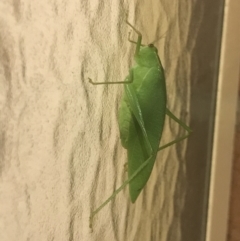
(161, 36)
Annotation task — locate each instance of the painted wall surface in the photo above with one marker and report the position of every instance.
(60, 152)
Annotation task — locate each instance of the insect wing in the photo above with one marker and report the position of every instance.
(148, 107)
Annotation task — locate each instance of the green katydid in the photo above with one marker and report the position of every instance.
(141, 117)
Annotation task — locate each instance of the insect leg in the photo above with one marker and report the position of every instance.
(182, 124)
(132, 41)
(125, 183)
(139, 40)
(128, 81)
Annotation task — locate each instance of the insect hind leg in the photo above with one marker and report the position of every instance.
(114, 194)
(182, 124)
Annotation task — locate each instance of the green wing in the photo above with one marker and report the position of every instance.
(125, 121)
(141, 120)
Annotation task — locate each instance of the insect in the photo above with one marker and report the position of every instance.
(141, 117)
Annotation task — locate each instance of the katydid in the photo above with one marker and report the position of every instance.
(141, 117)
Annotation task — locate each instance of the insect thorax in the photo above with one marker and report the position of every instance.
(148, 57)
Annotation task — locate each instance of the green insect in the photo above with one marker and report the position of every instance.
(141, 117)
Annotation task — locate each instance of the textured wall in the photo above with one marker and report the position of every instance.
(60, 151)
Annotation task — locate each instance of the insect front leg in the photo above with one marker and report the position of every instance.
(132, 41)
(139, 40)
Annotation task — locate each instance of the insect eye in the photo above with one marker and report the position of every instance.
(151, 45)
